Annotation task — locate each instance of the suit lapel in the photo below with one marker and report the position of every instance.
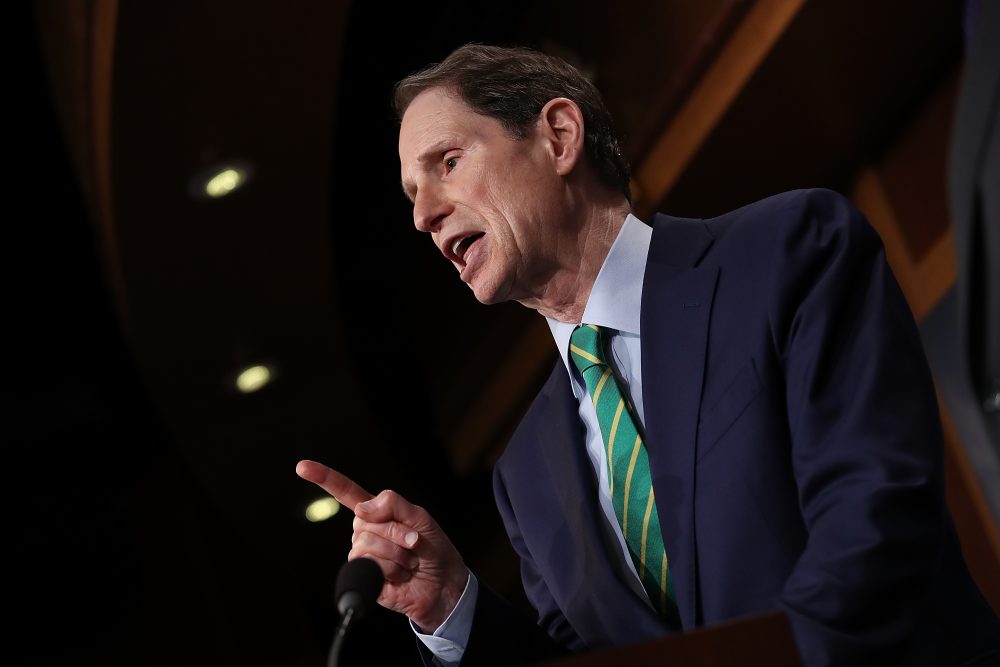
(608, 598)
(676, 305)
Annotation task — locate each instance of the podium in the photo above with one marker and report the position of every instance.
(747, 642)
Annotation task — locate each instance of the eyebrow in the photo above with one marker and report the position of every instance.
(427, 155)
(431, 153)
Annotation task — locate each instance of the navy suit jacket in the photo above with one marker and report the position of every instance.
(795, 451)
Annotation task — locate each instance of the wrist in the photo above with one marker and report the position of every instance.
(449, 597)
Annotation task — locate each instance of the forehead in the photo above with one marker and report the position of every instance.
(436, 117)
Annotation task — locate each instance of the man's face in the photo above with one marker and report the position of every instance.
(492, 204)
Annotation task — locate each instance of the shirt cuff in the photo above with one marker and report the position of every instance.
(450, 639)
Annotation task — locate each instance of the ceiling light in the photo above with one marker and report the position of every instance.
(322, 509)
(219, 180)
(253, 378)
(224, 182)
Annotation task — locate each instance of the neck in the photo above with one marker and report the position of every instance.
(580, 257)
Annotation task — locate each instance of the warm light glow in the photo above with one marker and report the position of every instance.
(253, 378)
(225, 182)
(322, 509)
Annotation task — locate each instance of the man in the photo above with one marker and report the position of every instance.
(767, 391)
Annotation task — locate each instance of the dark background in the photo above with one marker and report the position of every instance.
(120, 548)
(155, 514)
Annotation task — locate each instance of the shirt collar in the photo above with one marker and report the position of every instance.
(616, 298)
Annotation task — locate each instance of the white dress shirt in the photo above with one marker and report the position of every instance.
(615, 304)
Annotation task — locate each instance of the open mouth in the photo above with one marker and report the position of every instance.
(461, 247)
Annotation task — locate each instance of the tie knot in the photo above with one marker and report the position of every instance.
(585, 347)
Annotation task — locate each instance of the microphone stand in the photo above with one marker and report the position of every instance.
(359, 583)
(333, 659)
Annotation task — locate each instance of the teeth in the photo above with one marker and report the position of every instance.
(454, 246)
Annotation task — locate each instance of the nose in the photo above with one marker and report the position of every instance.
(430, 208)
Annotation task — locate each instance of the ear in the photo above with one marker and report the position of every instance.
(560, 122)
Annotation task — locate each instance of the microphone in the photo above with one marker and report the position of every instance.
(359, 584)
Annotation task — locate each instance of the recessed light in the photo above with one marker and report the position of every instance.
(253, 378)
(220, 180)
(224, 182)
(322, 509)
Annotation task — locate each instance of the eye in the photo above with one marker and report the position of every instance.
(451, 163)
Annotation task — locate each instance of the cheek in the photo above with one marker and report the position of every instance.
(514, 202)
(503, 206)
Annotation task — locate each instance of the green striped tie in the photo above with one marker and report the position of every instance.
(628, 469)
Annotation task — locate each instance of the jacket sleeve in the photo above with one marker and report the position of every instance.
(865, 432)
(501, 635)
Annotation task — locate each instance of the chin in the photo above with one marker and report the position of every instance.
(490, 294)
(486, 298)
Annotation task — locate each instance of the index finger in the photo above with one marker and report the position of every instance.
(339, 486)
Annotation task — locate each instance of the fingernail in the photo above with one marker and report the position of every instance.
(411, 538)
(362, 507)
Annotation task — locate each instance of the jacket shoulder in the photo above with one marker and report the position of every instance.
(809, 206)
(793, 222)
